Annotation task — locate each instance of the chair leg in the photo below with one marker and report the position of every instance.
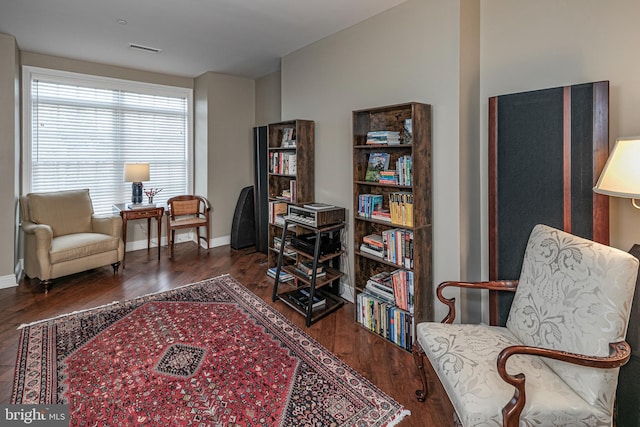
(47, 285)
(198, 237)
(116, 266)
(418, 358)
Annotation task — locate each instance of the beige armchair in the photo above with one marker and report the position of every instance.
(556, 362)
(62, 236)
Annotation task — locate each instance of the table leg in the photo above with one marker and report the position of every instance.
(124, 238)
(159, 218)
(148, 233)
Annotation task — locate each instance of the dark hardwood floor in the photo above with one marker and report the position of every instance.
(385, 365)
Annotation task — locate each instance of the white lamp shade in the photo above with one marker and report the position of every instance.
(621, 174)
(136, 172)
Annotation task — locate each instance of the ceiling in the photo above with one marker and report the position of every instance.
(239, 37)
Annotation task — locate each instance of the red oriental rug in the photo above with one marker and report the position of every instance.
(206, 354)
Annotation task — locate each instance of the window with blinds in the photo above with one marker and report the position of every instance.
(83, 130)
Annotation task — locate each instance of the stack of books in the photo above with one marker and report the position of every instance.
(383, 137)
(284, 276)
(306, 269)
(388, 177)
(372, 245)
(381, 285)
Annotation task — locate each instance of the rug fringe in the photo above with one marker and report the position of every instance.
(399, 417)
(25, 325)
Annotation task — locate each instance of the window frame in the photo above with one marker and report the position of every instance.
(101, 82)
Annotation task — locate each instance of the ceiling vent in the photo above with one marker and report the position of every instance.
(144, 48)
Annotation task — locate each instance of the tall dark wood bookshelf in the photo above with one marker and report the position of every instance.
(393, 118)
(280, 181)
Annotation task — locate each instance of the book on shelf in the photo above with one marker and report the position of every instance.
(385, 319)
(284, 276)
(398, 246)
(401, 207)
(407, 131)
(403, 170)
(374, 240)
(141, 205)
(282, 162)
(403, 289)
(381, 215)
(301, 298)
(288, 137)
(383, 137)
(389, 177)
(377, 162)
(371, 250)
(368, 203)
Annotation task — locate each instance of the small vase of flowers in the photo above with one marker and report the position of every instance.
(151, 192)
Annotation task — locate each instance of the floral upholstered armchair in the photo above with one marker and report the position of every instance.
(557, 360)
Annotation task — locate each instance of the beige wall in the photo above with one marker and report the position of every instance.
(104, 70)
(268, 100)
(409, 53)
(9, 153)
(547, 43)
(231, 117)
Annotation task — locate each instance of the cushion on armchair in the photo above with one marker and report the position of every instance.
(66, 212)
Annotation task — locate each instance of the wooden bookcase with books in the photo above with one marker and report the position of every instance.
(392, 211)
(290, 177)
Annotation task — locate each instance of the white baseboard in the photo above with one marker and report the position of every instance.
(180, 237)
(8, 281)
(346, 292)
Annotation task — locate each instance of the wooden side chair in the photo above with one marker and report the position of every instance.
(188, 211)
(556, 361)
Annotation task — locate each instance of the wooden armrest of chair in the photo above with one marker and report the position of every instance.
(618, 356)
(493, 285)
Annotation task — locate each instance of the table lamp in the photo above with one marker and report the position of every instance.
(136, 173)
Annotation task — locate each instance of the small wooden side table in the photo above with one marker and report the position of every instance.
(147, 212)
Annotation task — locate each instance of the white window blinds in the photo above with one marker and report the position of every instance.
(83, 132)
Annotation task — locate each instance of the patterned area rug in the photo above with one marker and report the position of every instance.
(206, 354)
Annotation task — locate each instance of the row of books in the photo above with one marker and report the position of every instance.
(395, 287)
(401, 208)
(282, 162)
(377, 170)
(403, 170)
(395, 246)
(383, 137)
(288, 138)
(368, 203)
(385, 319)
